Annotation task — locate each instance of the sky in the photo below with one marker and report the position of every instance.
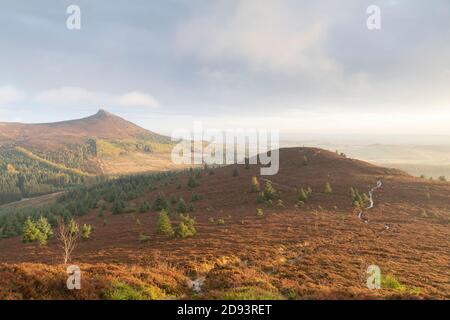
(303, 67)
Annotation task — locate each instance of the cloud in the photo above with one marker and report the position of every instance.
(138, 99)
(265, 35)
(10, 94)
(72, 96)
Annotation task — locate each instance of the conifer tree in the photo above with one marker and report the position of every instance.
(164, 224)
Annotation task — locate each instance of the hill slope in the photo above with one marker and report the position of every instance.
(89, 144)
(319, 248)
(42, 158)
(102, 125)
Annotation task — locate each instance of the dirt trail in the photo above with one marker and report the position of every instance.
(360, 214)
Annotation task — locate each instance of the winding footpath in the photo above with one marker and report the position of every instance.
(360, 214)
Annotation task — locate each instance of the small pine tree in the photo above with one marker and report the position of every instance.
(328, 188)
(255, 185)
(45, 230)
(195, 197)
(144, 207)
(181, 207)
(192, 183)
(44, 226)
(269, 192)
(118, 206)
(259, 212)
(160, 202)
(30, 231)
(86, 231)
(186, 227)
(302, 195)
(182, 230)
(164, 224)
(358, 200)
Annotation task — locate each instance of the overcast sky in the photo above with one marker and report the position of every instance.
(299, 66)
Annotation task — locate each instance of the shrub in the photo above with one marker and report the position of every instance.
(303, 195)
(235, 172)
(423, 213)
(269, 192)
(259, 212)
(164, 225)
(358, 201)
(144, 207)
(267, 195)
(251, 293)
(220, 221)
(186, 228)
(328, 188)
(86, 231)
(255, 185)
(144, 238)
(442, 178)
(389, 282)
(300, 204)
(280, 203)
(122, 291)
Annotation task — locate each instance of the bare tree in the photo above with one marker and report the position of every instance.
(68, 235)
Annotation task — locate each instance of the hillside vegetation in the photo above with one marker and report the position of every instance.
(23, 175)
(38, 159)
(235, 234)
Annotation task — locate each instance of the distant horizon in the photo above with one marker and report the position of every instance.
(299, 138)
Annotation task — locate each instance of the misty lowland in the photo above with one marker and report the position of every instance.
(144, 228)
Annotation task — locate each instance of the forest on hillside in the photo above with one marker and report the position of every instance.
(22, 176)
(110, 194)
